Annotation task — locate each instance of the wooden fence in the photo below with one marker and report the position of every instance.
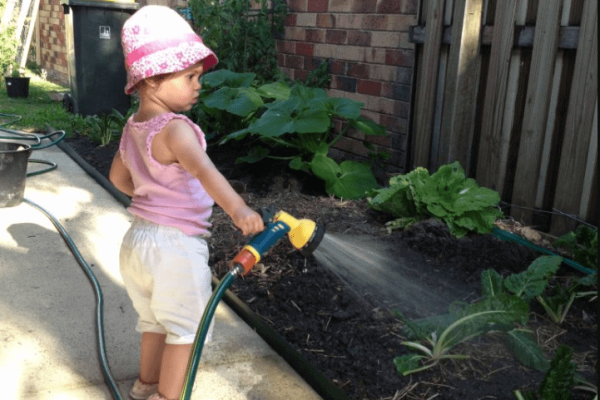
(509, 88)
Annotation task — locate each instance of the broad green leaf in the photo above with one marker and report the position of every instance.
(296, 163)
(345, 108)
(273, 124)
(491, 283)
(325, 167)
(408, 363)
(475, 198)
(422, 328)
(226, 77)
(348, 180)
(515, 310)
(322, 148)
(311, 121)
(299, 165)
(525, 348)
(238, 101)
(277, 90)
(255, 155)
(368, 127)
(307, 94)
(354, 181)
(532, 282)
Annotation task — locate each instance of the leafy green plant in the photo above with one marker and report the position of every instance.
(558, 381)
(8, 50)
(228, 101)
(505, 303)
(582, 245)
(302, 126)
(558, 303)
(447, 195)
(243, 38)
(458, 332)
(294, 124)
(107, 127)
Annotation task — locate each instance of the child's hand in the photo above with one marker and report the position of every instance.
(248, 220)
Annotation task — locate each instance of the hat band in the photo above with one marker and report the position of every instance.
(153, 47)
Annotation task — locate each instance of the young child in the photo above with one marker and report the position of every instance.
(162, 164)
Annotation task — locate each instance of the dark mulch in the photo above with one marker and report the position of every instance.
(349, 333)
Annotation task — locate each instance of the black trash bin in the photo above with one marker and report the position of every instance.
(96, 63)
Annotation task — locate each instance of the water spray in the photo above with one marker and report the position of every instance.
(304, 234)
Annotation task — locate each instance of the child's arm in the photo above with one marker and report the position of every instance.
(120, 176)
(177, 142)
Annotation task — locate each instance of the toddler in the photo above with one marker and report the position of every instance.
(162, 164)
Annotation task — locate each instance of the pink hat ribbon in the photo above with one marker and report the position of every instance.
(153, 47)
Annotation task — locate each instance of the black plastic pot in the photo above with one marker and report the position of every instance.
(17, 86)
(13, 171)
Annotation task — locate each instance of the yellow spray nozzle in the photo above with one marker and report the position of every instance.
(301, 230)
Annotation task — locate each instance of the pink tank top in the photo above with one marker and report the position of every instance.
(164, 194)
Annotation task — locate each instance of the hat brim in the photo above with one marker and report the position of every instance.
(172, 61)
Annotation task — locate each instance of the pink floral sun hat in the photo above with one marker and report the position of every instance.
(157, 40)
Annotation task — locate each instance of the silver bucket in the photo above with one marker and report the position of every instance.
(13, 171)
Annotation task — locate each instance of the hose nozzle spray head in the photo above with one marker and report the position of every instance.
(304, 234)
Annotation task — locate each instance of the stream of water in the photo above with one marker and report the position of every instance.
(378, 274)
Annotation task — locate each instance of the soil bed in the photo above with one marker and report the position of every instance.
(351, 335)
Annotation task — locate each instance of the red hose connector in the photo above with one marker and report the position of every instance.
(246, 259)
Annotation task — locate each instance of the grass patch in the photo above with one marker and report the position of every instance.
(37, 112)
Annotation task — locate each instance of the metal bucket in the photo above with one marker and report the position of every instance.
(13, 171)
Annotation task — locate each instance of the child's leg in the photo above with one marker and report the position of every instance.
(173, 369)
(151, 354)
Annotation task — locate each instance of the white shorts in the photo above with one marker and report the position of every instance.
(167, 277)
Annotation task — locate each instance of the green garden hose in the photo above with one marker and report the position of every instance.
(511, 237)
(207, 317)
(110, 380)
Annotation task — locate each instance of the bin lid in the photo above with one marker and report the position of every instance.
(99, 4)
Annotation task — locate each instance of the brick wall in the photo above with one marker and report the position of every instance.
(370, 61)
(52, 41)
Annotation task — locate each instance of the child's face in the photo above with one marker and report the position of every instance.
(179, 92)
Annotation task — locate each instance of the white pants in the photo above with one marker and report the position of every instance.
(167, 277)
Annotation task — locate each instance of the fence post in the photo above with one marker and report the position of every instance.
(493, 152)
(577, 158)
(460, 95)
(425, 102)
(537, 101)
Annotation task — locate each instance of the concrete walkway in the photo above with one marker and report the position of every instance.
(47, 305)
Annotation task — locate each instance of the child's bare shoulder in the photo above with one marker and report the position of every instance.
(178, 126)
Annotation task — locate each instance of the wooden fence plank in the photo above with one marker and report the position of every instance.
(425, 101)
(536, 108)
(461, 85)
(580, 117)
(555, 119)
(490, 157)
(590, 169)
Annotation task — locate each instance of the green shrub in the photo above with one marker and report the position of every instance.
(243, 39)
(582, 245)
(294, 124)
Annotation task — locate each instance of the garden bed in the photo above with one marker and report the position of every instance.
(347, 330)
